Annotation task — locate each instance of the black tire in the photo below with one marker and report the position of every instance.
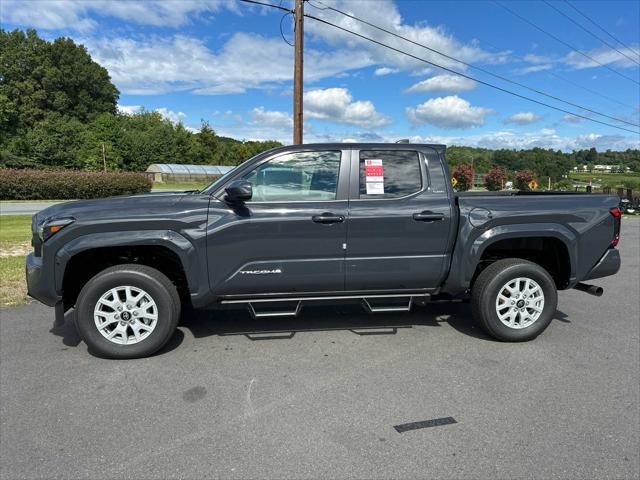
(488, 286)
(155, 283)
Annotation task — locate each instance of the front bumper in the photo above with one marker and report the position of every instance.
(40, 285)
(609, 264)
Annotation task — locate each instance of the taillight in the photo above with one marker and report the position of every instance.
(617, 221)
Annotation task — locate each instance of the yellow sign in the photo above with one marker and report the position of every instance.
(533, 184)
(454, 182)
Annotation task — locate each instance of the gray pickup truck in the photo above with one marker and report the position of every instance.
(373, 223)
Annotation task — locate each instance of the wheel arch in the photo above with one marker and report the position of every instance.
(529, 242)
(167, 251)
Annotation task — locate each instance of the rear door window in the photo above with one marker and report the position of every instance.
(389, 173)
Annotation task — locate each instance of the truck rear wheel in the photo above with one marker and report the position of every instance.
(514, 300)
(127, 311)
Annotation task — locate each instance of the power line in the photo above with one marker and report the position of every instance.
(590, 32)
(526, 20)
(565, 79)
(601, 28)
(282, 33)
(482, 82)
(481, 69)
(279, 7)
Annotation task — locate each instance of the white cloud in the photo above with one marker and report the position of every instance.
(77, 14)
(543, 138)
(605, 56)
(273, 119)
(571, 118)
(337, 105)
(447, 112)
(385, 71)
(173, 117)
(523, 118)
(155, 65)
(534, 68)
(444, 83)
(129, 109)
(386, 15)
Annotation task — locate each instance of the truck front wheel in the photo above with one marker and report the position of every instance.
(514, 299)
(127, 311)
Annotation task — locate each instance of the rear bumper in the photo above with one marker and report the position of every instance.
(609, 264)
(39, 286)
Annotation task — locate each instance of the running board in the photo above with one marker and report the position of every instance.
(265, 307)
(382, 308)
(271, 313)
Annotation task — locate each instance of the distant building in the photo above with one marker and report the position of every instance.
(600, 168)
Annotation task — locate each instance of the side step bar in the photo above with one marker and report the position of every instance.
(260, 307)
(381, 308)
(277, 313)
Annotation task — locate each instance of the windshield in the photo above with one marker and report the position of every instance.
(212, 186)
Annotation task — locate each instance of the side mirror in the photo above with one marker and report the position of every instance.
(239, 191)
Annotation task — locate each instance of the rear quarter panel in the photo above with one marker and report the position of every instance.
(582, 222)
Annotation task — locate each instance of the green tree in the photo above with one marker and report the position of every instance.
(592, 155)
(40, 77)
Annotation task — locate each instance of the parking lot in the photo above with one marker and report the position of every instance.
(318, 396)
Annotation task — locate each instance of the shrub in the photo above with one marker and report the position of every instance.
(68, 184)
(495, 178)
(464, 173)
(523, 177)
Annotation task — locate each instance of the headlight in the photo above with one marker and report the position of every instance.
(48, 228)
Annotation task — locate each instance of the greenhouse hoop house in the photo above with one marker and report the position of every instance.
(172, 172)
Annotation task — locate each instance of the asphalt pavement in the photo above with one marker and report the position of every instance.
(319, 396)
(24, 208)
(29, 208)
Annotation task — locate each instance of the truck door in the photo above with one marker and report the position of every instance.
(399, 223)
(290, 236)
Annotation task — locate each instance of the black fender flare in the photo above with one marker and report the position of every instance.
(193, 265)
(467, 254)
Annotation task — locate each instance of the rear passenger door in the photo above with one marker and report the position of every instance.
(399, 220)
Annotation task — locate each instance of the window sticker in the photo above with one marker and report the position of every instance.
(374, 175)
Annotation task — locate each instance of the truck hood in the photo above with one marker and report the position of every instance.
(114, 207)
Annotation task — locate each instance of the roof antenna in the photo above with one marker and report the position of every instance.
(403, 140)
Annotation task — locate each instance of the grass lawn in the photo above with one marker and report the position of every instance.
(611, 179)
(15, 235)
(180, 185)
(13, 287)
(14, 229)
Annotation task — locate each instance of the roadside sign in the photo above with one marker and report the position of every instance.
(533, 184)
(454, 181)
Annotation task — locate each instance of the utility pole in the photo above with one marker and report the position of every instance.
(297, 72)
(104, 158)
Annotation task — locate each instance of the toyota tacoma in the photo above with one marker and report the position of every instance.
(378, 224)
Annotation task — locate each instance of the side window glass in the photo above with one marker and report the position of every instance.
(389, 174)
(300, 176)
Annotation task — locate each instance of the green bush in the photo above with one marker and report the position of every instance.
(68, 184)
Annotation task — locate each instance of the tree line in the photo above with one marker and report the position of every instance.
(58, 109)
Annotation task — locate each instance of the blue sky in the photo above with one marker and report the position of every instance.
(225, 62)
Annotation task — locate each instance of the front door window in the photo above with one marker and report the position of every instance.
(301, 176)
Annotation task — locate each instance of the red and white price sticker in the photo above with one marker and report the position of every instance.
(373, 170)
(374, 175)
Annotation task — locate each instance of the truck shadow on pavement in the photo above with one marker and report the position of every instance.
(351, 319)
(348, 318)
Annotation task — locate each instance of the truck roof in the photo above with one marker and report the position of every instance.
(367, 145)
